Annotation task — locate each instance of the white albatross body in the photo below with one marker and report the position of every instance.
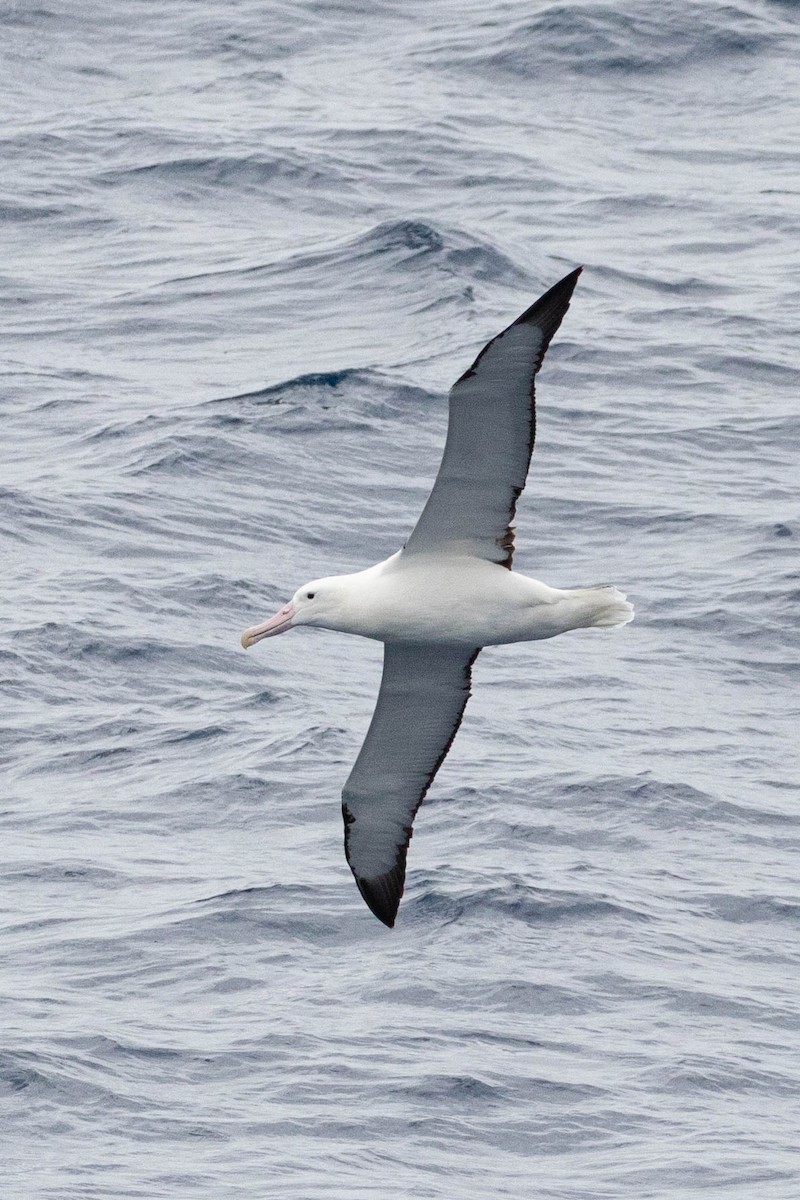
(448, 593)
(448, 600)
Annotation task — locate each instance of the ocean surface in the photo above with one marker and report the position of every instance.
(247, 247)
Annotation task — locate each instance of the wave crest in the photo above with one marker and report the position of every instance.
(610, 38)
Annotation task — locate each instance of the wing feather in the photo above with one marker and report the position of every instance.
(490, 436)
(423, 693)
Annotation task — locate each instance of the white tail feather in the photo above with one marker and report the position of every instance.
(605, 607)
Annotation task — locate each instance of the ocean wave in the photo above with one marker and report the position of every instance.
(395, 245)
(619, 39)
(530, 905)
(454, 250)
(353, 392)
(11, 211)
(225, 174)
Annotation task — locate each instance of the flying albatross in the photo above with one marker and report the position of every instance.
(448, 593)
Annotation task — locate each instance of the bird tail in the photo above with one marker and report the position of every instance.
(604, 607)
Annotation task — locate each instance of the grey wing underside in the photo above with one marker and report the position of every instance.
(423, 693)
(490, 436)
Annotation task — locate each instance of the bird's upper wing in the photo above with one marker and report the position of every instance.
(423, 693)
(490, 438)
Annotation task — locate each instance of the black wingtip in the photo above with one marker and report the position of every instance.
(549, 309)
(546, 314)
(383, 894)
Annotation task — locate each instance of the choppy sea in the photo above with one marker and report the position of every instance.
(246, 249)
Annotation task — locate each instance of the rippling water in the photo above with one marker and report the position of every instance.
(247, 248)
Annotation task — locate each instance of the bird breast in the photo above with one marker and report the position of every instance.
(464, 601)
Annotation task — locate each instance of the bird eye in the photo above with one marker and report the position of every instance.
(310, 595)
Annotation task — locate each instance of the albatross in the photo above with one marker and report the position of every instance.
(445, 595)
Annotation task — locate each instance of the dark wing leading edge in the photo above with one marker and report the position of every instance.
(422, 697)
(490, 438)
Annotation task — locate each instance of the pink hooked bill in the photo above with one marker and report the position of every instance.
(280, 623)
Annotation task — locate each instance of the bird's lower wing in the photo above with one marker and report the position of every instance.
(423, 693)
(490, 439)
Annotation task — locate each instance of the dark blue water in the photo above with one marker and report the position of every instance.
(247, 248)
